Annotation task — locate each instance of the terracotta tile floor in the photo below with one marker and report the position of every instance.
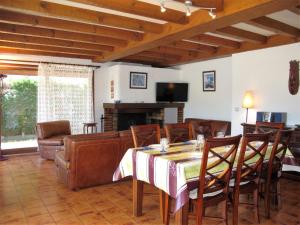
(31, 194)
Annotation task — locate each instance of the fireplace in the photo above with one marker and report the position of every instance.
(121, 116)
(125, 120)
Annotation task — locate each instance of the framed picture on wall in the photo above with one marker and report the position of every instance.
(209, 80)
(138, 80)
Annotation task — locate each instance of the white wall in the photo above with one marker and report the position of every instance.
(125, 94)
(209, 105)
(266, 72)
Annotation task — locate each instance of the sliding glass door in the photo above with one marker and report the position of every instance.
(19, 113)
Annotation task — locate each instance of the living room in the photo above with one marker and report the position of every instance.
(85, 157)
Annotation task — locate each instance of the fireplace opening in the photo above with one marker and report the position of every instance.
(125, 120)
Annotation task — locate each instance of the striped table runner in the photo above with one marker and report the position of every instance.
(176, 171)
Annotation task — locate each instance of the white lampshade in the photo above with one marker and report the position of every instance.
(248, 100)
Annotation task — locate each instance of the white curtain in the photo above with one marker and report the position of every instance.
(65, 92)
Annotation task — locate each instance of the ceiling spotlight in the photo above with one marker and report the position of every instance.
(188, 12)
(188, 4)
(162, 7)
(212, 14)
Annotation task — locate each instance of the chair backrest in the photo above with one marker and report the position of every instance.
(144, 135)
(200, 127)
(53, 128)
(284, 142)
(265, 127)
(251, 158)
(177, 132)
(219, 126)
(216, 170)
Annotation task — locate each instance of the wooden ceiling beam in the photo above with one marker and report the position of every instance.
(64, 25)
(54, 10)
(275, 26)
(17, 68)
(54, 42)
(242, 34)
(42, 53)
(146, 60)
(62, 35)
(235, 11)
(217, 41)
(193, 46)
(18, 72)
(139, 8)
(273, 41)
(175, 51)
(17, 65)
(295, 10)
(48, 48)
(218, 4)
(157, 55)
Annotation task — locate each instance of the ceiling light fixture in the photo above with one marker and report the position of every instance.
(212, 14)
(162, 6)
(188, 4)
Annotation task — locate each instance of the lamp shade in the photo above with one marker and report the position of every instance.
(248, 100)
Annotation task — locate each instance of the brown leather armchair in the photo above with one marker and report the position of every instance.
(50, 137)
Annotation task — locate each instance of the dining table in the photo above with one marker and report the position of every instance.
(175, 172)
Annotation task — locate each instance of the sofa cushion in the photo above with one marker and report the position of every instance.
(56, 140)
(60, 160)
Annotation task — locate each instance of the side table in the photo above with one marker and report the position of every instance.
(89, 126)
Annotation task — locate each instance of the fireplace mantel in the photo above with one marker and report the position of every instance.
(142, 105)
(154, 111)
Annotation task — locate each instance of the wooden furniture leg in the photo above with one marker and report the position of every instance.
(137, 187)
(181, 216)
(162, 197)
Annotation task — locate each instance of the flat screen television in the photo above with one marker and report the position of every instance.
(171, 92)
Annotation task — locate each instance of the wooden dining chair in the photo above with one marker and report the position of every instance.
(177, 132)
(249, 167)
(272, 172)
(270, 167)
(144, 135)
(215, 173)
(200, 127)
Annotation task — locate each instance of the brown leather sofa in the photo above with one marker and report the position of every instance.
(216, 125)
(50, 136)
(91, 159)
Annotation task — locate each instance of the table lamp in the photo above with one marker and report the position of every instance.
(248, 102)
